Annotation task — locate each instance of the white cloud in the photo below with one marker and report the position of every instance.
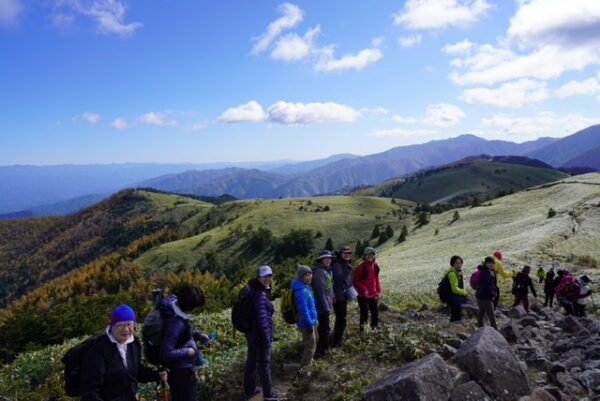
(292, 47)
(292, 16)
(543, 22)
(120, 123)
(404, 120)
(156, 119)
(512, 94)
(402, 132)
(463, 47)
(306, 113)
(251, 111)
(434, 14)
(490, 65)
(590, 86)
(376, 110)
(409, 41)
(376, 42)
(358, 61)
(9, 12)
(90, 117)
(546, 124)
(197, 127)
(443, 115)
(109, 15)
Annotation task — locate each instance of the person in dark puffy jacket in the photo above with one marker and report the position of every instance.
(322, 285)
(111, 368)
(342, 288)
(549, 288)
(304, 300)
(486, 292)
(521, 285)
(366, 282)
(260, 337)
(179, 351)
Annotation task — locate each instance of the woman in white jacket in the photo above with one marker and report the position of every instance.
(584, 295)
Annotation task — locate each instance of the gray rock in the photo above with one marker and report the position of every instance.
(489, 360)
(592, 364)
(573, 362)
(570, 385)
(539, 394)
(426, 379)
(469, 391)
(593, 352)
(511, 332)
(463, 336)
(459, 376)
(554, 392)
(448, 351)
(590, 379)
(528, 321)
(383, 307)
(517, 312)
(423, 307)
(570, 324)
(454, 342)
(541, 364)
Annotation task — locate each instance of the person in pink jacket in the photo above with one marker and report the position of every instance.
(366, 283)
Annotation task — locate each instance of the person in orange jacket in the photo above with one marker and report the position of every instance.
(366, 283)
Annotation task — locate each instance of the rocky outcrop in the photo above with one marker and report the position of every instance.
(489, 359)
(426, 379)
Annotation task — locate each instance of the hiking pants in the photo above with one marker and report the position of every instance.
(579, 309)
(368, 304)
(323, 330)
(309, 344)
(259, 356)
(497, 297)
(568, 308)
(341, 311)
(183, 384)
(549, 298)
(524, 299)
(455, 311)
(486, 307)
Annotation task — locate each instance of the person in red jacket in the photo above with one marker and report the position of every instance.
(366, 283)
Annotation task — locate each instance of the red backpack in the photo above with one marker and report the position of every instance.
(474, 280)
(567, 288)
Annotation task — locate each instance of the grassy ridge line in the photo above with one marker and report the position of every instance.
(347, 220)
(477, 177)
(516, 225)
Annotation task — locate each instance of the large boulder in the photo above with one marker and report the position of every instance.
(426, 379)
(469, 391)
(488, 358)
(517, 312)
(511, 332)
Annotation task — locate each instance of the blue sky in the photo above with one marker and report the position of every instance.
(104, 81)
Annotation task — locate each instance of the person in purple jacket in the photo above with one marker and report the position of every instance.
(179, 351)
(486, 292)
(260, 336)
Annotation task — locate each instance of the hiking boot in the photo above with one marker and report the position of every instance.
(257, 390)
(274, 397)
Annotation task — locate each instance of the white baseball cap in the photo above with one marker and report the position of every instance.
(264, 271)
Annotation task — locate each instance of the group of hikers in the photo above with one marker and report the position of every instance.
(572, 293)
(108, 366)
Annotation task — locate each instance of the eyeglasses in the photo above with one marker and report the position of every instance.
(125, 325)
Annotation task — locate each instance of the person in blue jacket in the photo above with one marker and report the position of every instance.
(178, 350)
(260, 337)
(304, 300)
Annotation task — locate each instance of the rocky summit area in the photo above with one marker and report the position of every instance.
(540, 355)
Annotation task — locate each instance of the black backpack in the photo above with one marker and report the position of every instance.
(72, 361)
(153, 329)
(519, 285)
(241, 312)
(444, 291)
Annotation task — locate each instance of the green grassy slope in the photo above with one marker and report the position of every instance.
(347, 220)
(516, 225)
(461, 183)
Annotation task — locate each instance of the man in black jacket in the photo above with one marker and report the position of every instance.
(342, 289)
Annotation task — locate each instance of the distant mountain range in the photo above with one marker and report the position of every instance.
(25, 188)
(481, 178)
